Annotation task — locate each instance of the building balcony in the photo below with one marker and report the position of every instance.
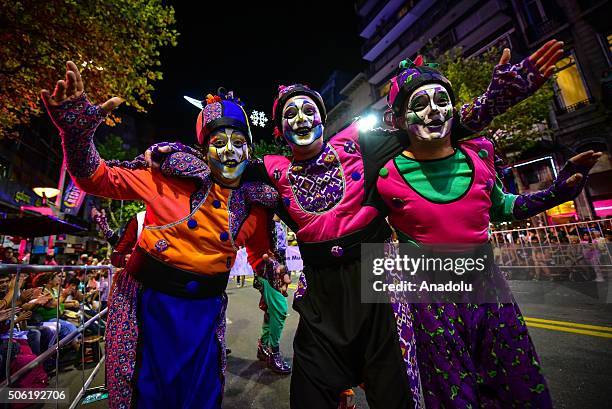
(408, 18)
(562, 110)
(543, 30)
(364, 8)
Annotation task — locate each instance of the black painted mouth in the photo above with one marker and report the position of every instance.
(303, 131)
(435, 123)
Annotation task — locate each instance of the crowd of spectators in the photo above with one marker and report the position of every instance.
(48, 307)
(577, 252)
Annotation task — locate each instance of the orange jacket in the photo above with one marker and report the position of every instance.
(197, 240)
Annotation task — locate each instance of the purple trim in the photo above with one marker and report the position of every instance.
(220, 334)
(241, 199)
(510, 85)
(77, 121)
(122, 340)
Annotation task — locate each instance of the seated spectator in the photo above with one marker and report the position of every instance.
(50, 260)
(92, 283)
(46, 306)
(9, 256)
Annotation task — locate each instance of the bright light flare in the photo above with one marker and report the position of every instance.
(368, 122)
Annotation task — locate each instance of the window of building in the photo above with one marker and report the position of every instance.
(571, 90)
(408, 5)
(534, 11)
(606, 44)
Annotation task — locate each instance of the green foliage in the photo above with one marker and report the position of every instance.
(519, 128)
(115, 44)
(112, 148)
(264, 147)
(119, 212)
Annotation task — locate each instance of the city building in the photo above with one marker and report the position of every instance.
(34, 159)
(395, 29)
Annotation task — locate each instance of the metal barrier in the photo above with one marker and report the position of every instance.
(575, 251)
(19, 269)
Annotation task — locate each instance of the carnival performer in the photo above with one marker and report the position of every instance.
(274, 305)
(440, 191)
(328, 197)
(171, 300)
(123, 244)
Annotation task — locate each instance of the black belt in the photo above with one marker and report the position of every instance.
(345, 248)
(165, 278)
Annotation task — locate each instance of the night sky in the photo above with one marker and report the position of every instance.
(250, 49)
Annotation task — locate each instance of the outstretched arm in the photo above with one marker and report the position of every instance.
(568, 184)
(77, 119)
(509, 85)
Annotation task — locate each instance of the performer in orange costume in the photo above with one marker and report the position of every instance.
(171, 300)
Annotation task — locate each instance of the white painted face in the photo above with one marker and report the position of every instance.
(428, 113)
(228, 153)
(301, 121)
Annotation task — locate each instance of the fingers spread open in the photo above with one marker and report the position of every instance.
(70, 84)
(111, 104)
(59, 94)
(542, 50)
(549, 66)
(79, 81)
(581, 156)
(550, 55)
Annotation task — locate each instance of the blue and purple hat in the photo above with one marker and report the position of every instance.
(221, 110)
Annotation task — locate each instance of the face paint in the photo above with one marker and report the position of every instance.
(429, 113)
(301, 121)
(228, 153)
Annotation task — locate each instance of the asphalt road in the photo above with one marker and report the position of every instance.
(574, 342)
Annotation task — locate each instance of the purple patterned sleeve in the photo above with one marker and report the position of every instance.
(102, 223)
(77, 120)
(510, 85)
(528, 205)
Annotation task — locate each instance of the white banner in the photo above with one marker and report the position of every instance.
(241, 266)
(294, 259)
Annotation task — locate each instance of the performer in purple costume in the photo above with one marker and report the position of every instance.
(443, 192)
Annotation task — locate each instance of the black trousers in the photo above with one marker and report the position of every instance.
(341, 343)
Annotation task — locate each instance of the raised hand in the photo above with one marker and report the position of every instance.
(72, 87)
(544, 59)
(149, 155)
(586, 160)
(547, 56)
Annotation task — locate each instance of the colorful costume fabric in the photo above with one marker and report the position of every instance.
(176, 277)
(469, 355)
(332, 203)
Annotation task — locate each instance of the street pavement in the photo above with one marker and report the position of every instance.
(574, 343)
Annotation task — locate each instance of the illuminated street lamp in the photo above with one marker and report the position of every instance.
(46, 193)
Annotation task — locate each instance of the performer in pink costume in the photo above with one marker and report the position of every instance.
(440, 191)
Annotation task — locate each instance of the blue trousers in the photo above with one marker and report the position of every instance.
(179, 364)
